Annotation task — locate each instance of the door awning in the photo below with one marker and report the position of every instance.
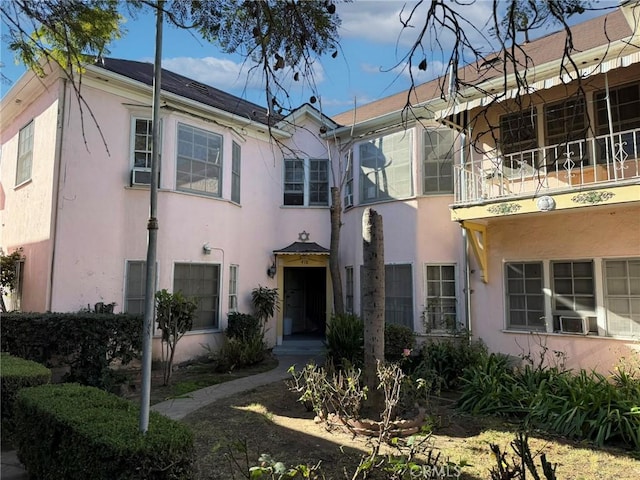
(303, 248)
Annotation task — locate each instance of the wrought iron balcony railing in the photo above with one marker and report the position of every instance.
(607, 159)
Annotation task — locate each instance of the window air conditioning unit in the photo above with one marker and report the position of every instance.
(574, 325)
(348, 200)
(141, 176)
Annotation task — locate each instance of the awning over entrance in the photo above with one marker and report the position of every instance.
(303, 248)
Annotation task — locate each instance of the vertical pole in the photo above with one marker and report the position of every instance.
(611, 137)
(152, 227)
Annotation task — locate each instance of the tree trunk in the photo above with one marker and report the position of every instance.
(334, 248)
(373, 297)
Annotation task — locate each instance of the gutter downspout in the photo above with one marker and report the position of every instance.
(57, 178)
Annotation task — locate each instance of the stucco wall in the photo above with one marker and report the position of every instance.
(586, 233)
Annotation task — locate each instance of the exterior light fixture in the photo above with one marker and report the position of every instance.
(271, 271)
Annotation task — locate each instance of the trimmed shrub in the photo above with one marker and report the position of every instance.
(72, 431)
(241, 352)
(243, 326)
(15, 374)
(87, 342)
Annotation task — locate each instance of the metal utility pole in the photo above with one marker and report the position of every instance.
(152, 227)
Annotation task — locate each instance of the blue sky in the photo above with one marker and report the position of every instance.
(366, 68)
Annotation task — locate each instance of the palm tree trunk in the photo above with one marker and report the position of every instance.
(334, 248)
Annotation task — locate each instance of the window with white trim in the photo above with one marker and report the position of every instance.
(573, 288)
(201, 282)
(236, 155)
(622, 296)
(348, 201)
(386, 167)
(524, 296)
(437, 162)
(25, 153)
(135, 286)
(142, 143)
(440, 305)
(199, 162)
(348, 273)
(233, 288)
(306, 182)
(399, 295)
(519, 139)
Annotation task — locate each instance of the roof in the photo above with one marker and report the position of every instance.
(588, 35)
(303, 247)
(190, 89)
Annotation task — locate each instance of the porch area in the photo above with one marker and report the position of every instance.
(595, 162)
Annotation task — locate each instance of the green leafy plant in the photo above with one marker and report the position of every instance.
(345, 340)
(265, 303)
(398, 340)
(174, 314)
(242, 325)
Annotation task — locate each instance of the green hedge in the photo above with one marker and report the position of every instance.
(72, 431)
(17, 373)
(87, 342)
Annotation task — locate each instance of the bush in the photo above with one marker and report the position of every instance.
(87, 342)
(15, 374)
(75, 432)
(345, 340)
(397, 339)
(243, 325)
(241, 352)
(444, 362)
(582, 405)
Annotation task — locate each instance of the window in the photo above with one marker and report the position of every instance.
(348, 185)
(199, 163)
(233, 288)
(573, 292)
(524, 296)
(235, 172)
(348, 289)
(135, 287)
(399, 295)
(306, 190)
(518, 134)
(622, 296)
(625, 109)
(565, 125)
(142, 143)
(25, 154)
(385, 167)
(440, 304)
(437, 174)
(202, 283)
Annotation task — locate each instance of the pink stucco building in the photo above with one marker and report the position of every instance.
(513, 213)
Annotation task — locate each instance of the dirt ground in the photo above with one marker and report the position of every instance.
(270, 420)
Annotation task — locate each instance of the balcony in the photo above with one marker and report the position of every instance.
(549, 170)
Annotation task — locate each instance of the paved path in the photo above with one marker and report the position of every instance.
(12, 469)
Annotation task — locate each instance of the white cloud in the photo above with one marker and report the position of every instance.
(374, 21)
(219, 73)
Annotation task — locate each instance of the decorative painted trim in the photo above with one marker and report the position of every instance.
(504, 208)
(592, 197)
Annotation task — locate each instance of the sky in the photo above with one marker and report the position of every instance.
(369, 65)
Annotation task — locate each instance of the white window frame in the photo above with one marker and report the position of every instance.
(199, 294)
(443, 157)
(213, 164)
(436, 305)
(236, 169)
(632, 296)
(383, 164)
(24, 166)
(529, 326)
(389, 298)
(127, 294)
(306, 182)
(233, 287)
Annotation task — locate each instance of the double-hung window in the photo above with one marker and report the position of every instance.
(348, 185)
(135, 287)
(565, 133)
(573, 288)
(437, 166)
(622, 296)
(199, 163)
(386, 167)
(233, 288)
(399, 295)
(25, 153)
(236, 155)
(624, 106)
(348, 272)
(519, 139)
(440, 304)
(201, 282)
(306, 182)
(524, 296)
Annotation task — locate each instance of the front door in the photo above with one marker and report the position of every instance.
(304, 301)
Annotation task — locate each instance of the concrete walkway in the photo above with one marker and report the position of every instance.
(178, 408)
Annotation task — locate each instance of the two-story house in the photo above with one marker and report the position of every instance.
(546, 180)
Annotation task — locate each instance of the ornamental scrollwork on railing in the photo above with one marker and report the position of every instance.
(504, 208)
(592, 197)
